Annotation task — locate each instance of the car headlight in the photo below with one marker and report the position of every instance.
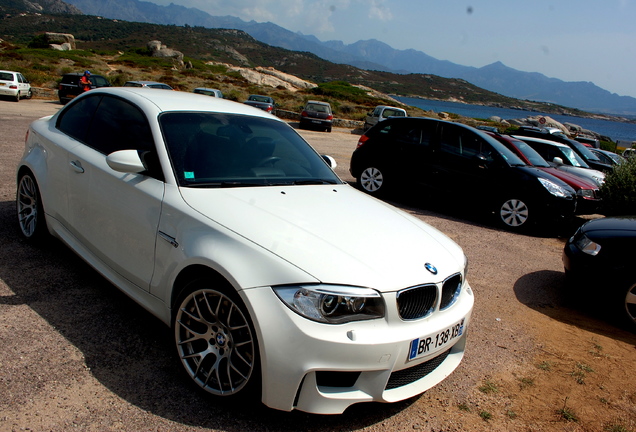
(587, 246)
(332, 304)
(586, 193)
(554, 188)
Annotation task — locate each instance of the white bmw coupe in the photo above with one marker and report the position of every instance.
(279, 280)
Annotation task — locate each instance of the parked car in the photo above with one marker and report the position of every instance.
(587, 192)
(448, 159)
(276, 277)
(70, 86)
(598, 262)
(208, 92)
(14, 85)
(563, 157)
(265, 103)
(382, 112)
(588, 141)
(583, 152)
(628, 153)
(608, 157)
(148, 84)
(316, 115)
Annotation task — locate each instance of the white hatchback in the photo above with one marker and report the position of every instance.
(14, 85)
(278, 279)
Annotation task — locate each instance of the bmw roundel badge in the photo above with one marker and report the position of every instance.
(430, 267)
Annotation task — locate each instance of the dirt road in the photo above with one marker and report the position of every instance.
(77, 354)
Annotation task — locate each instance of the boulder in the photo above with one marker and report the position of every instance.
(157, 49)
(60, 41)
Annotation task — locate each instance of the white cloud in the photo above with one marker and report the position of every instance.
(379, 10)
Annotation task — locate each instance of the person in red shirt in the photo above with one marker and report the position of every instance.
(85, 82)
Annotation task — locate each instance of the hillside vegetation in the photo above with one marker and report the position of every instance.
(118, 50)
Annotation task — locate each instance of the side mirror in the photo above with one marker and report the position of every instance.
(126, 161)
(558, 161)
(330, 161)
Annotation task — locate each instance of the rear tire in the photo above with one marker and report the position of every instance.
(514, 214)
(29, 209)
(372, 180)
(216, 341)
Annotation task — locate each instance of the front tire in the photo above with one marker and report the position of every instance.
(629, 305)
(29, 208)
(216, 342)
(514, 214)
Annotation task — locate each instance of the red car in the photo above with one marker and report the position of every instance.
(587, 193)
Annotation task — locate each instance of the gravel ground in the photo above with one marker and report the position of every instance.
(78, 354)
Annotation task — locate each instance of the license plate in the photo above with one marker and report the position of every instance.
(427, 345)
(316, 121)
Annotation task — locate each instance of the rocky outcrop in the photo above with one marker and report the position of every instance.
(158, 50)
(60, 41)
(50, 6)
(270, 77)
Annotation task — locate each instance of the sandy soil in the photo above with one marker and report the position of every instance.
(78, 354)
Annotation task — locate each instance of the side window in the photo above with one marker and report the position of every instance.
(118, 125)
(76, 119)
(463, 143)
(377, 112)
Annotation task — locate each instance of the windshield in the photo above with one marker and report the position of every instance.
(584, 151)
(531, 154)
(229, 150)
(573, 158)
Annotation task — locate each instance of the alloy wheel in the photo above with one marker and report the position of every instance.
(28, 206)
(371, 180)
(215, 342)
(514, 213)
(630, 303)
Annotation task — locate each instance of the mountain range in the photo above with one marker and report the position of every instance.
(370, 55)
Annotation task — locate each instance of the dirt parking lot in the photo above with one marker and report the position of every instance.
(79, 355)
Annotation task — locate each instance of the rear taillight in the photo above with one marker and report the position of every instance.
(304, 114)
(270, 109)
(329, 117)
(362, 140)
(13, 86)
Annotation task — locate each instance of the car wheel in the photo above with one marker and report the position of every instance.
(629, 305)
(29, 208)
(30, 94)
(372, 181)
(328, 129)
(17, 96)
(514, 214)
(216, 341)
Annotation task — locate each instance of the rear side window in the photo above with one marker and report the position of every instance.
(76, 119)
(119, 125)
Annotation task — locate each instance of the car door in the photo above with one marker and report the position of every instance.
(466, 165)
(115, 215)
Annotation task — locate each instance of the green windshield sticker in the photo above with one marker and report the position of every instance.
(188, 175)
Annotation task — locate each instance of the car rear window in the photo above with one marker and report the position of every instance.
(5, 76)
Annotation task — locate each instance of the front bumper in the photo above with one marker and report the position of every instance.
(323, 369)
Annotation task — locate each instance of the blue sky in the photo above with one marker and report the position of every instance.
(573, 40)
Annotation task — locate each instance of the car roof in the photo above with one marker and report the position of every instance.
(318, 102)
(144, 82)
(540, 140)
(207, 88)
(159, 100)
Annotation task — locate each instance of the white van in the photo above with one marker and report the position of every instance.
(382, 112)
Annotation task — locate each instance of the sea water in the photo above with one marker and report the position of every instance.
(612, 129)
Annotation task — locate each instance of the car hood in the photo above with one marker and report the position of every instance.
(336, 234)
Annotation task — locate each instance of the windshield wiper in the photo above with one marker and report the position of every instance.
(314, 182)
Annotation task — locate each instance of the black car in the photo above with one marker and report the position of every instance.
(598, 260)
(590, 158)
(316, 115)
(265, 103)
(70, 85)
(459, 162)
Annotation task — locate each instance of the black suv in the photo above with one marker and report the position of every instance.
(590, 158)
(462, 164)
(70, 85)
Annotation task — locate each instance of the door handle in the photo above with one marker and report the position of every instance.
(77, 166)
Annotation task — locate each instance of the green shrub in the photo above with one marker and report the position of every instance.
(619, 189)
